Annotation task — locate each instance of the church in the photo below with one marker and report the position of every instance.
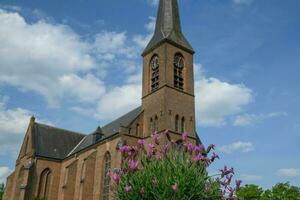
(58, 164)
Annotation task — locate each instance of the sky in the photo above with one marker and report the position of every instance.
(77, 65)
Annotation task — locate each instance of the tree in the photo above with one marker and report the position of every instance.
(250, 192)
(281, 191)
(170, 171)
(1, 190)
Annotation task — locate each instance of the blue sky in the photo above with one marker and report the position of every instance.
(76, 65)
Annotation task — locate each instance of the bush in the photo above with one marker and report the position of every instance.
(170, 171)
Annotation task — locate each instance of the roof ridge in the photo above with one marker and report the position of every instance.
(121, 116)
(65, 130)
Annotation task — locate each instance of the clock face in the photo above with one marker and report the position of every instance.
(178, 61)
(154, 63)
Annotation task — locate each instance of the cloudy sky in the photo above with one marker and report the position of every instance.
(76, 65)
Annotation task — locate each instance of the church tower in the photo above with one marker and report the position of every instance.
(168, 79)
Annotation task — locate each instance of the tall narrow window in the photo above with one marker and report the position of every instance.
(176, 123)
(137, 130)
(178, 71)
(44, 184)
(154, 63)
(82, 178)
(182, 124)
(106, 178)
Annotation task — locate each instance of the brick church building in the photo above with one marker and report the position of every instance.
(57, 164)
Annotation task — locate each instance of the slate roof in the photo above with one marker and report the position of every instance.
(54, 142)
(108, 130)
(168, 27)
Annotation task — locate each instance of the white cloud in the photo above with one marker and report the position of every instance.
(4, 172)
(55, 62)
(39, 56)
(239, 146)
(86, 89)
(13, 125)
(247, 177)
(119, 100)
(108, 45)
(142, 40)
(289, 172)
(216, 100)
(250, 119)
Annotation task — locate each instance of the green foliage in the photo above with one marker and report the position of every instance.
(281, 191)
(1, 191)
(158, 177)
(249, 192)
(170, 171)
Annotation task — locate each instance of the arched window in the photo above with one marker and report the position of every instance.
(178, 71)
(82, 179)
(176, 123)
(44, 184)
(83, 171)
(182, 124)
(137, 129)
(154, 64)
(156, 123)
(26, 146)
(106, 177)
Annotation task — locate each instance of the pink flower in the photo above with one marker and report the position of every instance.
(141, 143)
(197, 158)
(190, 147)
(155, 136)
(238, 184)
(151, 148)
(210, 147)
(206, 161)
(226, 171)
(142, 191)
(214, 156)
(165, 148)
(133, 165)
(125, 149)
(184, 136)
(115, 177)
(229, 178)
(199, 149)
(128, 188)
(175, 187)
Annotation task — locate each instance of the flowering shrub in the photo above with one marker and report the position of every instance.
(170, 171)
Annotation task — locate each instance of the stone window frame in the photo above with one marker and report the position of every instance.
(182, 124)
(44, 183)
(105, 176)
(177, 123)
(179, 73)
(154, 74)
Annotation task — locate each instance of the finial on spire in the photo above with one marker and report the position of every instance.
(168, 27)
(32, 119)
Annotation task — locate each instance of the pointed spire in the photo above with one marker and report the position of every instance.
(98, 134)
(168, 27)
